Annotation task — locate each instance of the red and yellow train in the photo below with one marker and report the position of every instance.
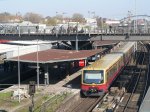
(97, 77)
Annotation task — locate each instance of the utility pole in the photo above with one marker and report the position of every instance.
(129, 22)
(101, 28)
(77, 37)
(18, 75)
(37, 64)
(31, 93)
(89, 14)
(135, 21)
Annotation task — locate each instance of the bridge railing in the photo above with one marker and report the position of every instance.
(57, 31)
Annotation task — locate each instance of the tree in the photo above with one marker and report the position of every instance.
(59, 17)
(5, 17)
(51, 21)
(77, 17)
(33, 17)
(101, 22)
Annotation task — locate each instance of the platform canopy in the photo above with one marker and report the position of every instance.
(56, 55)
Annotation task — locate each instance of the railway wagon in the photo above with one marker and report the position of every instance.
(127, 49)
(97, 78)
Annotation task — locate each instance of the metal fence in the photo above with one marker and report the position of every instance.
(13, 29)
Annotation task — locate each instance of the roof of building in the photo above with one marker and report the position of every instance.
(56, 55)
(33, 42)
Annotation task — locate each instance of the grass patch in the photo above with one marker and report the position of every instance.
(38, 100)
(6, 101)
(47, 103)
(6, 95)
(52, 104)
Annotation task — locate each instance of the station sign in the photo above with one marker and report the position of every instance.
(82, 63)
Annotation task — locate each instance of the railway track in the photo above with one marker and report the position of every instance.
(84, 105)
(80, 104)
(137, 87)
(130, 96)
(126, 99)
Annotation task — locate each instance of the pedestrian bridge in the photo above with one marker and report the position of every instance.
(76, 37)
(132, 27)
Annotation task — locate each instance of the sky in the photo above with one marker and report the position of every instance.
(115, 9)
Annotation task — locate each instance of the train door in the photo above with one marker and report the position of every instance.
(107, 78)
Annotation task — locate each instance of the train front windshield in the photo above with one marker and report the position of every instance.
(93, 76)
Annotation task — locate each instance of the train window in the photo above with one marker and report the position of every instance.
(112, 71)
(93, 76)
(108, 75)
(119, 63)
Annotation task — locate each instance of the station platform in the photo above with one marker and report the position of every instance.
(64, 61)
(145, 106)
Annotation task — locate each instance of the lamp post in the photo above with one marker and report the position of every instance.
(18, 76)
(77, 38)
(28, 30)
(68, 29)
(145, 26)
(135, 22)
(89, 14)
(63, 16)
(93, 14)
(102, 25)
(19, 30)
(101, 28)
(94, 17)
(129, 22)
(77, 35)
(37, 57)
